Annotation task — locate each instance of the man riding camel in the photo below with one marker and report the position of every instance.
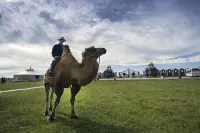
(56, 53)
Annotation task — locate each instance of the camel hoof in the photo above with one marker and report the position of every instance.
(46, 113)
(74, 117)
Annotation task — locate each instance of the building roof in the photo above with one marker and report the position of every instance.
(29, 73)
(150, 65)
(30, 69)
(108, 67)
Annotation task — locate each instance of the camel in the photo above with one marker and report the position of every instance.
(69, 73)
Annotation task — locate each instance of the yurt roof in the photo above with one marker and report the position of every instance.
(30, 69)
(29, 73)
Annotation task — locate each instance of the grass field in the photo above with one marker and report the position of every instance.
(19, 85)
(150, 106)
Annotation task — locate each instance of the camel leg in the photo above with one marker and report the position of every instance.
(74, 90)
(47, 88)
(58, 92)
(51, 98)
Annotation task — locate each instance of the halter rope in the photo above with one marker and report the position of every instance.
(94, 54)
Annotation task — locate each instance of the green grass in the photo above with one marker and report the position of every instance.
(151, 106)
(19, 85)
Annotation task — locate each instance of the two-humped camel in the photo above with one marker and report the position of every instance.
(70, 73)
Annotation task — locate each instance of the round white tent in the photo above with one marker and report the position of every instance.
(28, 75)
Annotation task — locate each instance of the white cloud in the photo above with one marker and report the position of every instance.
(178, 60)
(8, 1)
(35, 25)
(17, 55)
(5, 2)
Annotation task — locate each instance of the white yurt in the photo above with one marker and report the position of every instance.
(28, 75)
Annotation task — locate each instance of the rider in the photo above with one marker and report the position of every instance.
(56, 53)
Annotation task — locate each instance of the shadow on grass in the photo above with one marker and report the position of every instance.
(85, 125)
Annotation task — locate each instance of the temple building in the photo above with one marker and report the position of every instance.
(108, 73)
(151, 71)
(128, 73)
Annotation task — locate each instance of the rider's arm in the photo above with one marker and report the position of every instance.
(53, 51)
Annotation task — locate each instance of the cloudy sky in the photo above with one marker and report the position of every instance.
(134, 32)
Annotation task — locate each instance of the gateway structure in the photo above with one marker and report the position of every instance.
(28, 75)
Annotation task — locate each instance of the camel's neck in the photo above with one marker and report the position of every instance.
(88, 71)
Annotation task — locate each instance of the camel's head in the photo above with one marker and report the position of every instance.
(93, 52)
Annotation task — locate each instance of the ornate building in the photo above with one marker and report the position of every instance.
(108, 73)
(181, 72)
(169, 73)
(163, 72)
(151, 71)
(175, 72)
(172, 72)
(128, 73)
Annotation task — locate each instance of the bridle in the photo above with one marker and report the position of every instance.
(97, 52)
